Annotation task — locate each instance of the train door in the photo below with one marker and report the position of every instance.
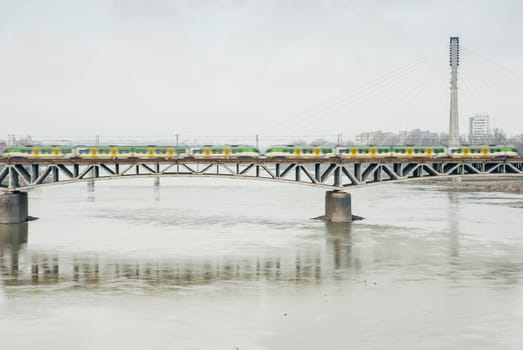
(227, 152)
(56, 152)
(150, 152)
(429, 151)
(297, 152)
(466, 151)
(94, 152)
(114, 152)
(373, 152)
(36, 152)
(170, 152)
(317, 152)
(353, 152)
(484, 152)
(409, 151)
(206, 152)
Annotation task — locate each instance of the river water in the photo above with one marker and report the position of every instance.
(220, 264)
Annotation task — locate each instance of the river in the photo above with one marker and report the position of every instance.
(225, 264)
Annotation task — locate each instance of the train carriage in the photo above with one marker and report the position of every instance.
(492, 151)
(94, 152)
(143, 152)
(169, 152)
(364, 152)
(292, 151)
(232, 151)
(44, 152)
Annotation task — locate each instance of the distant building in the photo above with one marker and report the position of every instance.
(479, 129)
(373, 138)
(414, 137)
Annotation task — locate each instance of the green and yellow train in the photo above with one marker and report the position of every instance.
(247, 152)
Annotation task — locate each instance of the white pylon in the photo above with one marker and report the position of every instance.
(454, 119)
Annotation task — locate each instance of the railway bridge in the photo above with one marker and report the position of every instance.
(18, 175)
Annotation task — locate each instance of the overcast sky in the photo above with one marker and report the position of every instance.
(274, 67)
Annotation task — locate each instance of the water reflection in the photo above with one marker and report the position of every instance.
(338, 241)
(308, 265)
(12, 237)
(454, 215)
(337, 252)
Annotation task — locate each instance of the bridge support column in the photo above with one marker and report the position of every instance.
(13, 208)
(338, 206)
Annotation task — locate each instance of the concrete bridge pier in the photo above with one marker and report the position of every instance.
(338, 206)
(13, 208)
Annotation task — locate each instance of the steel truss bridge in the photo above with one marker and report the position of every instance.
(332, 173)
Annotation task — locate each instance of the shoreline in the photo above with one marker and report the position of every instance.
(474, 185)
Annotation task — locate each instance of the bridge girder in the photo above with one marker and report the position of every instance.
(23, 174)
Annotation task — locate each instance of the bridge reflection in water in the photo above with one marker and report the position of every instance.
(338, 253)
(310, 265)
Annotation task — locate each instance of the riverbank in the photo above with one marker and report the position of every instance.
(462, 184)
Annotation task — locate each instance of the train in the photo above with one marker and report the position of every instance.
(251, 152)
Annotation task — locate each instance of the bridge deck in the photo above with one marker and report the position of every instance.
(337, 160)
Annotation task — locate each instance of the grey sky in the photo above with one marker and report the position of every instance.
(273, 67)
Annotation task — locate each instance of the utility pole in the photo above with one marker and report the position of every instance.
(454, 120)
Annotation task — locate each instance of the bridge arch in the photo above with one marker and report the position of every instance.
(334, 174)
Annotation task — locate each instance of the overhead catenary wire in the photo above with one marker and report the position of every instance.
(391, 99)
(341, 99)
